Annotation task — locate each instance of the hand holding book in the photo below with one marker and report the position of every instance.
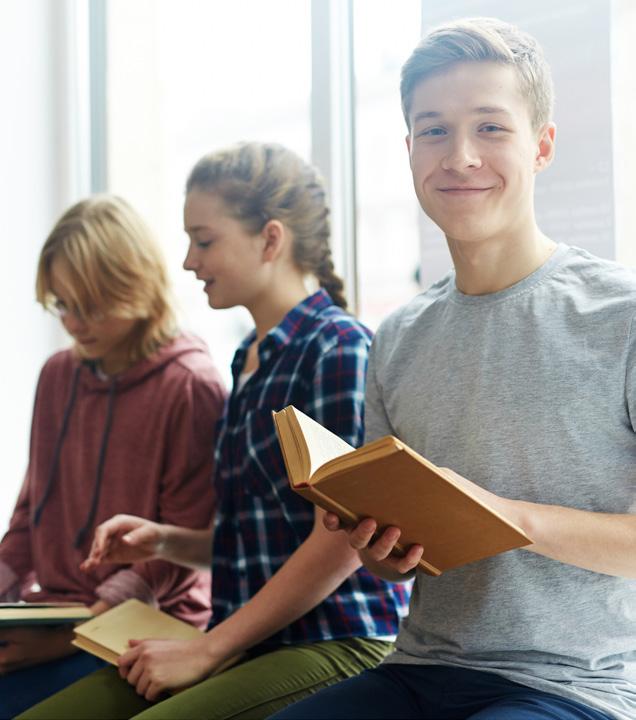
(453, 520)
(378, 550)
(154, 651)
(153, 667)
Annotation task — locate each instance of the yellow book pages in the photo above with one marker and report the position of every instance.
(322, 445)
(305, 444)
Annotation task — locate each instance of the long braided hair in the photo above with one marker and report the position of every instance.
(259, 182)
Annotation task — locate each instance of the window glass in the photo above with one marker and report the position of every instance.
(188, 77)
(387, 212)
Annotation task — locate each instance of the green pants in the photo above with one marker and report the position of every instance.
(252, 690)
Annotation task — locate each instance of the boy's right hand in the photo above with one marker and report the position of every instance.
(125, 539)
(377, 552)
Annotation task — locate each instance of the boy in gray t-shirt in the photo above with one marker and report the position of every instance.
(518, 371)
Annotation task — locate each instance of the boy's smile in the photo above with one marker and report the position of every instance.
(474, 153)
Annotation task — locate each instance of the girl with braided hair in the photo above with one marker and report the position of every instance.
(288, 596)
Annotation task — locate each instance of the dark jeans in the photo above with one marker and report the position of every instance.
(23, 688)
(430, 692)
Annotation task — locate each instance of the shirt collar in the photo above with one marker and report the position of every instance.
(283, 333)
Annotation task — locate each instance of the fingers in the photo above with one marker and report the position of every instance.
(409, 562)
(102, 541)
(362, 535)
(331, 521)
(117, 538)
(141, 684)
(128, 659)
(153, 692)
(135, 674)
(380, 549)
(135, 669)
(383, 548)
(359, 536)
(145, 535)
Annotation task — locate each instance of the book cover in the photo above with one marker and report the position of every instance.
(23, 613)
(388, 481)
(107, 635)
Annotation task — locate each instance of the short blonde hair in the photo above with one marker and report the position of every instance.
(115, 267)
(482, 40)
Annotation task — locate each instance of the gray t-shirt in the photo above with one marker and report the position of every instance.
(531, 393)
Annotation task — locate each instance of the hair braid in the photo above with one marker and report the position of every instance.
(263, 181)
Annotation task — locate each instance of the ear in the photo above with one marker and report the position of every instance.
(545, 147)
(275, 236)
(408, 142)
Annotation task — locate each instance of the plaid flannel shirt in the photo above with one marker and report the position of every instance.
(316, 360)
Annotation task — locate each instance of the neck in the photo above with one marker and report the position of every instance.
(113, 365)
(117, 360)
(488, 266)
(271, 307)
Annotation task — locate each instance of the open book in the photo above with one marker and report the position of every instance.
(388, 481)
(24, 613)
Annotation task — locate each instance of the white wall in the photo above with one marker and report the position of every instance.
(36, 183)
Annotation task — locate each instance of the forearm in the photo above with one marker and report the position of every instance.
(9, 583)
(600, 542)
(187, 547)
(313, 572)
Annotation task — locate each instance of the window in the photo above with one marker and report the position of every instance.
(189, 77)
(387, 213)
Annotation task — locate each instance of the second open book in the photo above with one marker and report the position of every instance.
(388, 481)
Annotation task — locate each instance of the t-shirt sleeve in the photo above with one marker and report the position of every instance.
(630, 379)
(377, 422)
(337, 398)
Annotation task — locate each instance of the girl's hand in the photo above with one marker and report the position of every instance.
(155, 666)
(125, 539)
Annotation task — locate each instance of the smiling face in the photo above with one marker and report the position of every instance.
(99, 337)
(474, 154)
(222, 253)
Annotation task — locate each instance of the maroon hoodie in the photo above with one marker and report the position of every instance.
(139, 443)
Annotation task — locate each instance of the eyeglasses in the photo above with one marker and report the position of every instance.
(61, 310)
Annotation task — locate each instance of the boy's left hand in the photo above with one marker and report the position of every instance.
(21, 647)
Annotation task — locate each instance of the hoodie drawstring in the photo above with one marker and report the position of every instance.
(58, 447)
(79, 538)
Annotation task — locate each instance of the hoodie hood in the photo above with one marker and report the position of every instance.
(182, 345)
(85, 376)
